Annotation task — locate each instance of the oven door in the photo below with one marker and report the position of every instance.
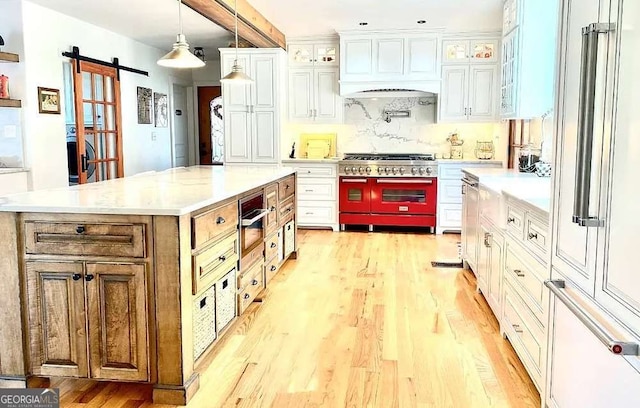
(404, 196)
(252, 216)
(355, 195)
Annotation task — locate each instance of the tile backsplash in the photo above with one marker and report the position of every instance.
(11, 153)
(367, 128)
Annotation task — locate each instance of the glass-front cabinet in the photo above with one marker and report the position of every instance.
(326, 54)
(466, 51)
(301, 54)
(313, 54)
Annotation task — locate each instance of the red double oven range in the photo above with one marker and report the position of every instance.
(388, 189)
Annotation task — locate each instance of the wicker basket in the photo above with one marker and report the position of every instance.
(204, 321)
(225, 300)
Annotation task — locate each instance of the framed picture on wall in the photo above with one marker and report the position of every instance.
(49, 100)
(161, 109)
(144, 105)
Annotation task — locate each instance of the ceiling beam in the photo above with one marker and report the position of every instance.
(252, 26)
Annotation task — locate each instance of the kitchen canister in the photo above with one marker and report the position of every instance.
(4, 87)
(543, 169)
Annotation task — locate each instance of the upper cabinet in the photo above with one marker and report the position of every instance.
(528, 58)
(470, 79)
(387, 56)
(253, 114)
(313, 82)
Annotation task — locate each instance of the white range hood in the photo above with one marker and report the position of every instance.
(392, 89)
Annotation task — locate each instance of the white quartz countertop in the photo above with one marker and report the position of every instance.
(173, 192)
(526, 187)
(303, 161)
(469, 161)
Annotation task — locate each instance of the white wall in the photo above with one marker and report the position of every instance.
(45, 135)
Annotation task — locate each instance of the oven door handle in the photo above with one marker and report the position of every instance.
(470, 183)
(354, 181)
(248, 221)
(392, 181)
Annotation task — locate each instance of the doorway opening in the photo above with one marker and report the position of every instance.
(210, 124)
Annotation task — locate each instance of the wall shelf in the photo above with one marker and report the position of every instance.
(9, 57)
(10, 103)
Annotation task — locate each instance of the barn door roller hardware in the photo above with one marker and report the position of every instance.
(75, 54)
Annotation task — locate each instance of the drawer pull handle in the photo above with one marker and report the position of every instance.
(89, 278)
(286, 187)
(511, 220)
(220, 220)
(308, 171)
(222, 258)
(518, 273)
(80, 229)
(517, 328)
(533, 235)
(246, 296)
(76, 276)
(273, 208)
(273, 268)
(273, 245)
(254, 282)
(308, 191)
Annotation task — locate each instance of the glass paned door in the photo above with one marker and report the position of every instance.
(99, 134)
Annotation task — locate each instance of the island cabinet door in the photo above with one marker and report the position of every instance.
(117, 315)
(57, 334)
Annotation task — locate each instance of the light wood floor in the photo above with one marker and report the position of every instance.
(359, 320)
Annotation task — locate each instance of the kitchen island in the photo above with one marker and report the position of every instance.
(136, 279)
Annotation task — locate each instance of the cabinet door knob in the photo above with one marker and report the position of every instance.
(273, 245)
(518, 273)
(511, 220)
(246, 296)
(273, 268)
(80, 229)
(88, 278)
(254, 282)
(76, 276)
(533, 235)
(273, 208)
(220, 220)
(222, 258)
(286, 187)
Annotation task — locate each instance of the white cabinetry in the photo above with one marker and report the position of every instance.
(253, 114)
(317, 193)
(528, 58)
(313, 82)
(469, 80)
(595, 148)
(386, 57)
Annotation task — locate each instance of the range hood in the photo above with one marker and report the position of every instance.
(391, 89)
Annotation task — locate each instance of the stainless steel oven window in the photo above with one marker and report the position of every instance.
(397, 195)
(355, 194)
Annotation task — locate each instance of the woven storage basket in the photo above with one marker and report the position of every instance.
(225, 300)
(204, 321)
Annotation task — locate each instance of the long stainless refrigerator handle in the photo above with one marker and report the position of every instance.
(586, 122)
(622, 348)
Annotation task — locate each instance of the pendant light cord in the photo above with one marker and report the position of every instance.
(180, 14)
(235, 7)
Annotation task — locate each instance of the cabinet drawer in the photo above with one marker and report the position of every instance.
(316, 171)
(271, 247)
(287, 208)
(515, 221)
(312, 213)
(209, 265)
(450, 172)
(271, 269)
(523, 331)
(286, 187)
(450, 215)
(526, 276)
(252, 284)
(213, 224)
(67, 238)
(450, 191)
(317, 189)
(535, 236)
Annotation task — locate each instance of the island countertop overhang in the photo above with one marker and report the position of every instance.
(173, 192)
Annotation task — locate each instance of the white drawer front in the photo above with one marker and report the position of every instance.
(316, 170)
(317, 189)
(526, 274)
(450, 215)
(450, 192)
(515, 221)
(312, 213)
(452, 172)
(535, 236)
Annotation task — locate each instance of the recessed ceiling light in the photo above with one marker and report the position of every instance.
(364, 23)
(421, 21)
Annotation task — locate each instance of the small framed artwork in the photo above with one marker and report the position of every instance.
(161, 109)
(144, 105)
(49, 100)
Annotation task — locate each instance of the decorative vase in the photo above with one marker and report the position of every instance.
(4, 87)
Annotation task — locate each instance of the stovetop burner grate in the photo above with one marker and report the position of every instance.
(389, 156)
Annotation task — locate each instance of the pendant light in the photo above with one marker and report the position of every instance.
(180, 56)
(237, 75)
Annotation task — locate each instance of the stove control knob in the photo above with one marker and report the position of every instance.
(379, 170)
(414, 170)
(368, 170)
(421, 170)
(346, 170)
(429, 170)
(402, 170)
(386, 170)
(395, 170)
(361, 170)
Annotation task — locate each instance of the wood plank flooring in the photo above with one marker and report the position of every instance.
(359, 320)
